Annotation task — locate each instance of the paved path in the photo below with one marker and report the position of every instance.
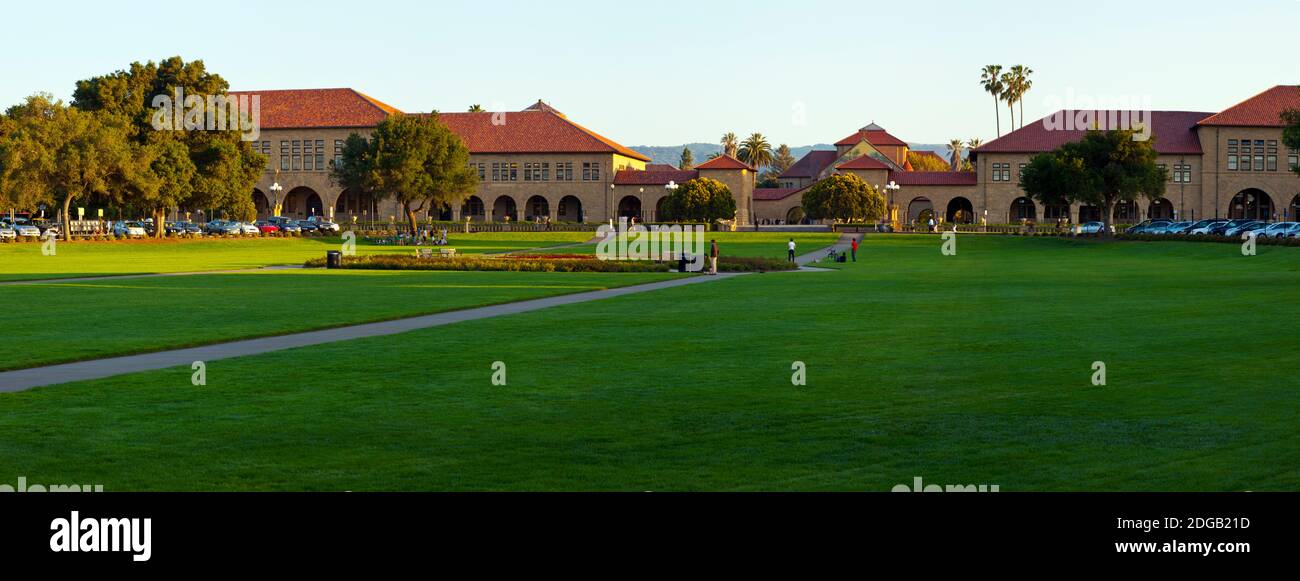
(25, 379)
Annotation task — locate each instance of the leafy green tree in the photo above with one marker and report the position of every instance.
(476, 108)
(225, 167)
(784, 159)
(415, 160)
(688, 159)
(1291, 132)
(1102, 169)
(843, 197)
(921, 162)
(700, 200)
(60, 154)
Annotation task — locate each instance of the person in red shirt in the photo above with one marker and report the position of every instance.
(855, 249)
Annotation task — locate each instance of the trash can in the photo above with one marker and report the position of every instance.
(333, 259)
(682, 259)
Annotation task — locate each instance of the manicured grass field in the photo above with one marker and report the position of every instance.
(73, 259)
(967, 369)
(66, 321)
(749, 244)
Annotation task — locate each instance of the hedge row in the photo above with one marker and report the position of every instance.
(402, 262)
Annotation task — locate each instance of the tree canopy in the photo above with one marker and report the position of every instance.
(1102, 169)
(415, 160)
(843, 197)
(1291, 132)
(700, 200)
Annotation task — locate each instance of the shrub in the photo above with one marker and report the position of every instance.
(403, 262)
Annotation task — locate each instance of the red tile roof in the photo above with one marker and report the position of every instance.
(1262, 110)
(317, 108)
(934, 178)
(864, 162)
(876, 138)
(811, 164)
(632, 177)
(770, 194)
(725, 161)
(530, 132)
(660, 167)
(1174, 133)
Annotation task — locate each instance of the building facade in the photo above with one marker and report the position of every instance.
(1230, 164)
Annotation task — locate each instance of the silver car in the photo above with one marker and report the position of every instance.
(1276, 230)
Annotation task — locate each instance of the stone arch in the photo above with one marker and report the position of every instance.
(1161, 209)
(303, 202)
(1293, 213)
(1252, 204)
(569, 209)
(537, 208)
(1023, 208)
(630, 207)
(920, 210)
(795, 215)
(262, 204)
(353, 203)
(1126, 212)
(473, 209)
(503, 208)
(960, 211)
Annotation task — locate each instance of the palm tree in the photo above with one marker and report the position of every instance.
(974, 143)
(1021, 74)
(730, 143)
(476, 108)
(1010, 91)
(756, 151)
(955, 147)
(991, 78)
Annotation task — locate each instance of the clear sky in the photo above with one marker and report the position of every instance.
(668, 72)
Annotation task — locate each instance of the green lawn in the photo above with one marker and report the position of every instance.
(72, 259)
(749, 244)
(971, 369)
(66, 321)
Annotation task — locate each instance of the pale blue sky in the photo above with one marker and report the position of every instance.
(663, 73)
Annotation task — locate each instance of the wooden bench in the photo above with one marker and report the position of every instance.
(447, 252)
(425, 253)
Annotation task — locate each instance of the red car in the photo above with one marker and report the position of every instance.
(266, 227)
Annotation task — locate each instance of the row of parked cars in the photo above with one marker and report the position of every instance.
(1219, 227)
(22, 227)
(19, 227)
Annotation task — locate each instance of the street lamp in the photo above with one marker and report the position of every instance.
(671, 186)
(892, 187)
(276, 188)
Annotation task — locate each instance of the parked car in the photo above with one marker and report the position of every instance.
(1091, 228)
(1257, 227)
(1178, 227)
(247, 228)
(1204, 226)
(1145, 226)
(1241, 228)
(1276, 230)
(25, 229)
(289, 226)
(7, 232)
(266, 227)
(306, 226)
(1222, 229)
(323, 225)
(222, 227)
(130, 229)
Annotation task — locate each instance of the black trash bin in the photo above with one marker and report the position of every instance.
(333, 259)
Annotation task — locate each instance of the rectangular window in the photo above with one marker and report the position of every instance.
(297, 162)
(1293, 158)
(1022, 171)
(1259, 163)
(1232, 163)
(284, 148)
(595, 172)
(1271, 163)
(284, 163)
(514, 172)
(1232, 146)
(482, 172)
(320, 162)
(528, 172)
(297, 146)
(546, 172)
(496, 171)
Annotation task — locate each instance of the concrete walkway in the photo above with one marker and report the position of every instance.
(25, 379)
(148, 275)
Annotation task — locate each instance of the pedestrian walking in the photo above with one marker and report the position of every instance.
(713, 257)
(855, 249)
(790, 253)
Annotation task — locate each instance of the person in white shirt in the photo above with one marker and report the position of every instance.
(791, 252)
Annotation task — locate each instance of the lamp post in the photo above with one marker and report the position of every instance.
(276, 188)
(892, 187)
(671, 186)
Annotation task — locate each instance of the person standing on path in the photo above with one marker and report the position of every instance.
(713, 257)
(855, 249)
(791, 251)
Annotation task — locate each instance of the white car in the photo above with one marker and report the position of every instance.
(1091, 228)
(246, 228)
(1205, 227)
(26, 230)
(6, 232)
(131, 229)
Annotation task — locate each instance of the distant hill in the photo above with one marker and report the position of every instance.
(672, 154)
